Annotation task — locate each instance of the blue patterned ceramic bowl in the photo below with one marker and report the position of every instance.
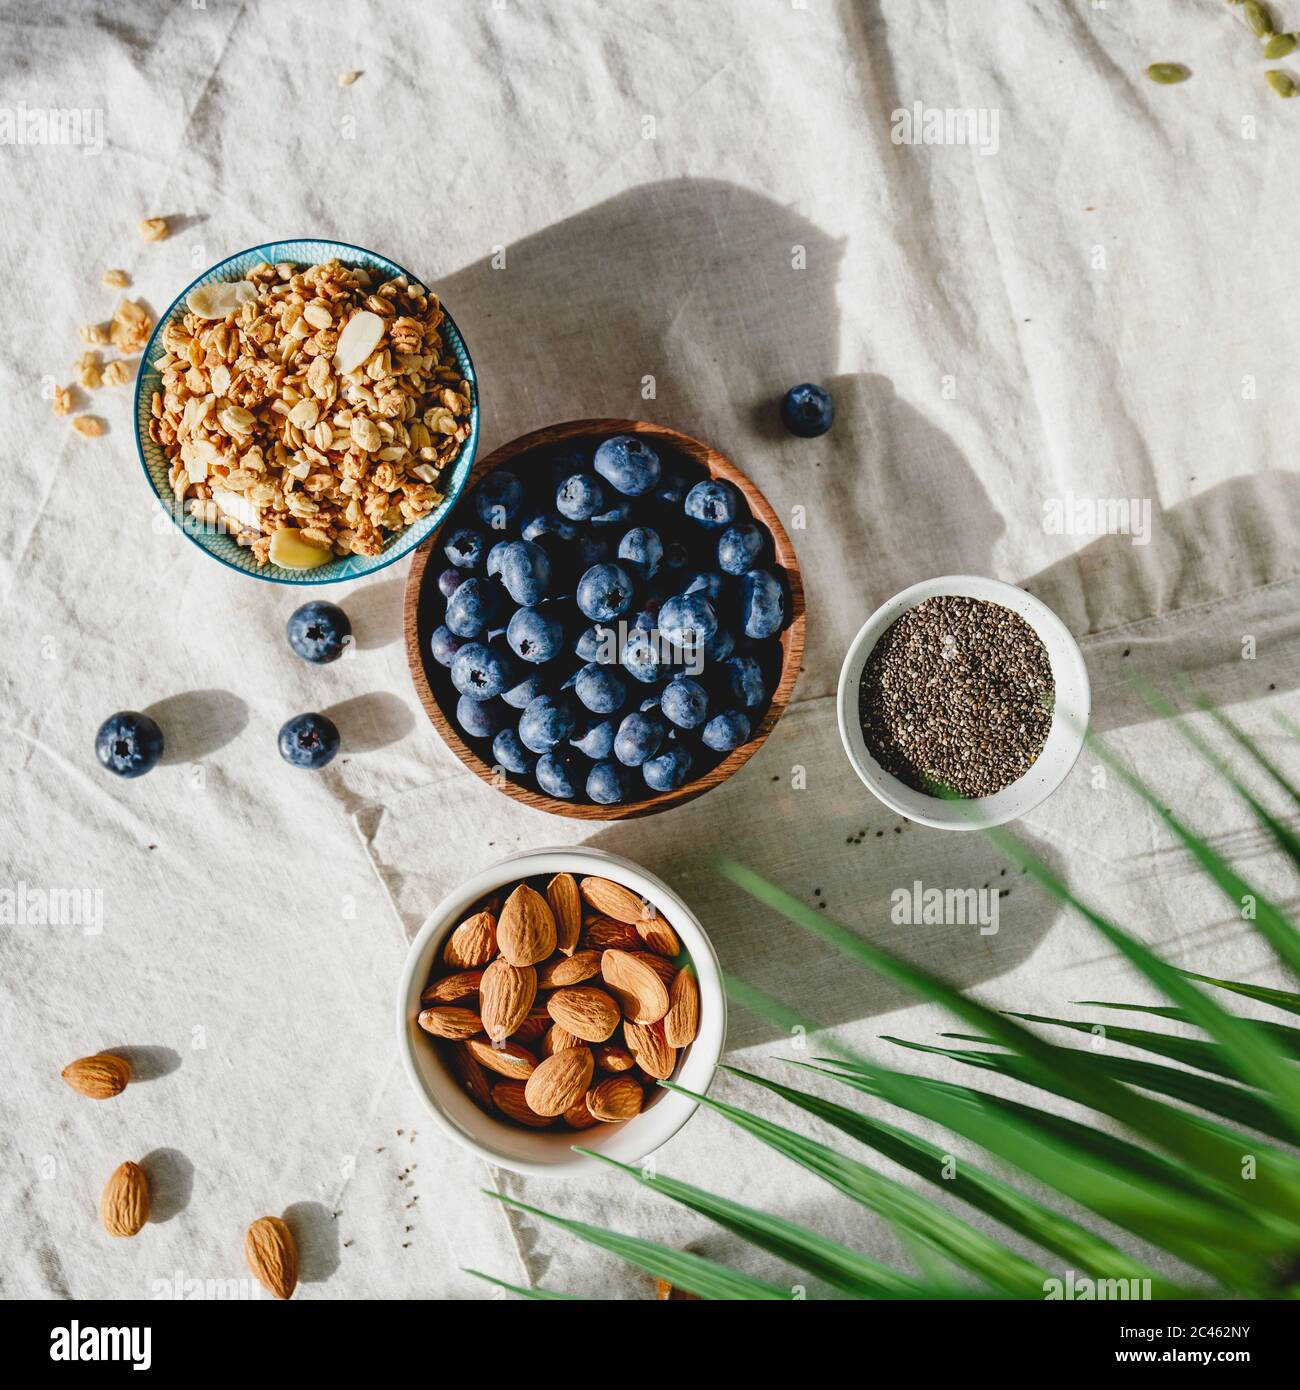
(224, 547)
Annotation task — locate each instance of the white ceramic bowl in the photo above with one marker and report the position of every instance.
(1064, 740)
(550, 1153)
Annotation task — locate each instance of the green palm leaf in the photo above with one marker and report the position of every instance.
(1279, 998)
(540, 1295)
(680, 1268)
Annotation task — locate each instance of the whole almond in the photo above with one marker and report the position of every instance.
(586, 1012)
(646, 1042)
(682, 1021)
(99, 1077)
(604, 933)
(578, 1116)
(560, 1081)
(661, 965)
(568, 970)
(445, 1022)
(452, 987)
(639, 990)
(659, 936)
(473, 943)
(558, 1039)
(535, 1027)
(505, 996)
(526, 929)
(611, 899)
(124, 1203)
(272, 1255)
(610, 1057)
(614, 1099)
(509, 1099)
(566, 904)
(505, 1058)
(471, 1074)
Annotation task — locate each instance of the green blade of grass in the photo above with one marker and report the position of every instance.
(1227, 1101)
(1278, 998)
(836, 1264)
(987, 1259)
(1217, 1158)
(539, 1295)
(680, 1268)
(1073, 1243)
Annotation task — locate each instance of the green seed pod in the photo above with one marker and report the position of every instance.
(1280, 82)
(1280, 45)
(1258, 18)
(1167, 73)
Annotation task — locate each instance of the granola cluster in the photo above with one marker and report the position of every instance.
(270, 426)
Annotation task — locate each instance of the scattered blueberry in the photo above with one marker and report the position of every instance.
(480, 672)
(745, 680)
(726, 731)
(684, 702)
(596, 739)
(628, 464)
(712, 503)
(519, 696)
(444, 644)
(667, 771)
(319, 631)
(641, 550)
(474, 606)
(129, 743)
(639, 737)
(308, 740)
(546, 721)
(498, 499)
(511, 754)
(450, 579)
(464, 548)
(579, 497)
(605, 592)
(561, 773)
(688, 620)
(609, 783)
(739, 547)
(600, 688)
(762, 605)
(534, 635)
(807, 410)
(479, 718)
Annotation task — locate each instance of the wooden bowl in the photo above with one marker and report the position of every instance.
(420, 597)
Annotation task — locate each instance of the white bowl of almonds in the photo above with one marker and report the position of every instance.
(307, 412)
(543, 1001)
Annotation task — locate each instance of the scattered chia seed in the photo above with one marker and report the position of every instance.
(957, 695)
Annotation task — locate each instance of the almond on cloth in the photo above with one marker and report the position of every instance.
(100, 1077)
(526, 932)
(272, 1255)
(614, 1099)
(124, 1204)
(506, 1059)
(505, 997)
(611, 899)
(682, 1021)
(640, 992)
(586, 1012)
(559, 1082)
(566, 903)
(473, 943)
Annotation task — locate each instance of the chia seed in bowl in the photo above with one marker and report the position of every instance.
(957, 697)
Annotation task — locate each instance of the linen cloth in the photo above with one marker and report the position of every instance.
(647, 208)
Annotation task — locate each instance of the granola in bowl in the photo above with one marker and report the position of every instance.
(311, 410)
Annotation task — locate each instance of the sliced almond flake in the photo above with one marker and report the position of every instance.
(359, 338)
(216, 301)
